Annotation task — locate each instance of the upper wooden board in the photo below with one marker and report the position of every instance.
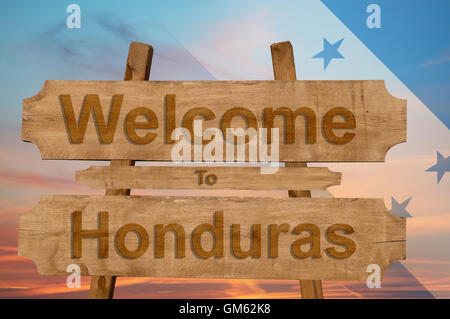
(318, 121)
(308, 238)
(244, 178)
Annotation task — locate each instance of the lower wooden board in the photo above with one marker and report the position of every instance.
(244, 178)
(48, 235)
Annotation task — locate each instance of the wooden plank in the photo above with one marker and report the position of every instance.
(51, 118)
(55, 233)
(138, 66)
(284, 69)
(236, 178)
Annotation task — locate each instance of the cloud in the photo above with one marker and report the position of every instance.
(444, 57)
(114, 26)
(229, 49)
(101, 50)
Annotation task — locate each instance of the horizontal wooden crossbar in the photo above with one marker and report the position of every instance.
(231, 178)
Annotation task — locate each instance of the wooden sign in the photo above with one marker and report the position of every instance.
(318, 121)
(243, 178)
(266, 238)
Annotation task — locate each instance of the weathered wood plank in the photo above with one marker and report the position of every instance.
(143, 115)
(52, 235)
(243, 178)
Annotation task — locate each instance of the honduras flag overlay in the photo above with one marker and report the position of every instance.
(402, 42)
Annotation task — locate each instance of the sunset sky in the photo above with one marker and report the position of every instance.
(206, 40)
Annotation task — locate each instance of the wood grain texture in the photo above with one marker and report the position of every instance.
(138, 67)
(45, 236)
(236, 178)
(284, 69)
(380, 118)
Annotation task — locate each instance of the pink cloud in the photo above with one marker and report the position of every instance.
(429, 225)
(33, 180)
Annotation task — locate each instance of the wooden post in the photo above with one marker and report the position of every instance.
(138, 69)
(284, 69)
